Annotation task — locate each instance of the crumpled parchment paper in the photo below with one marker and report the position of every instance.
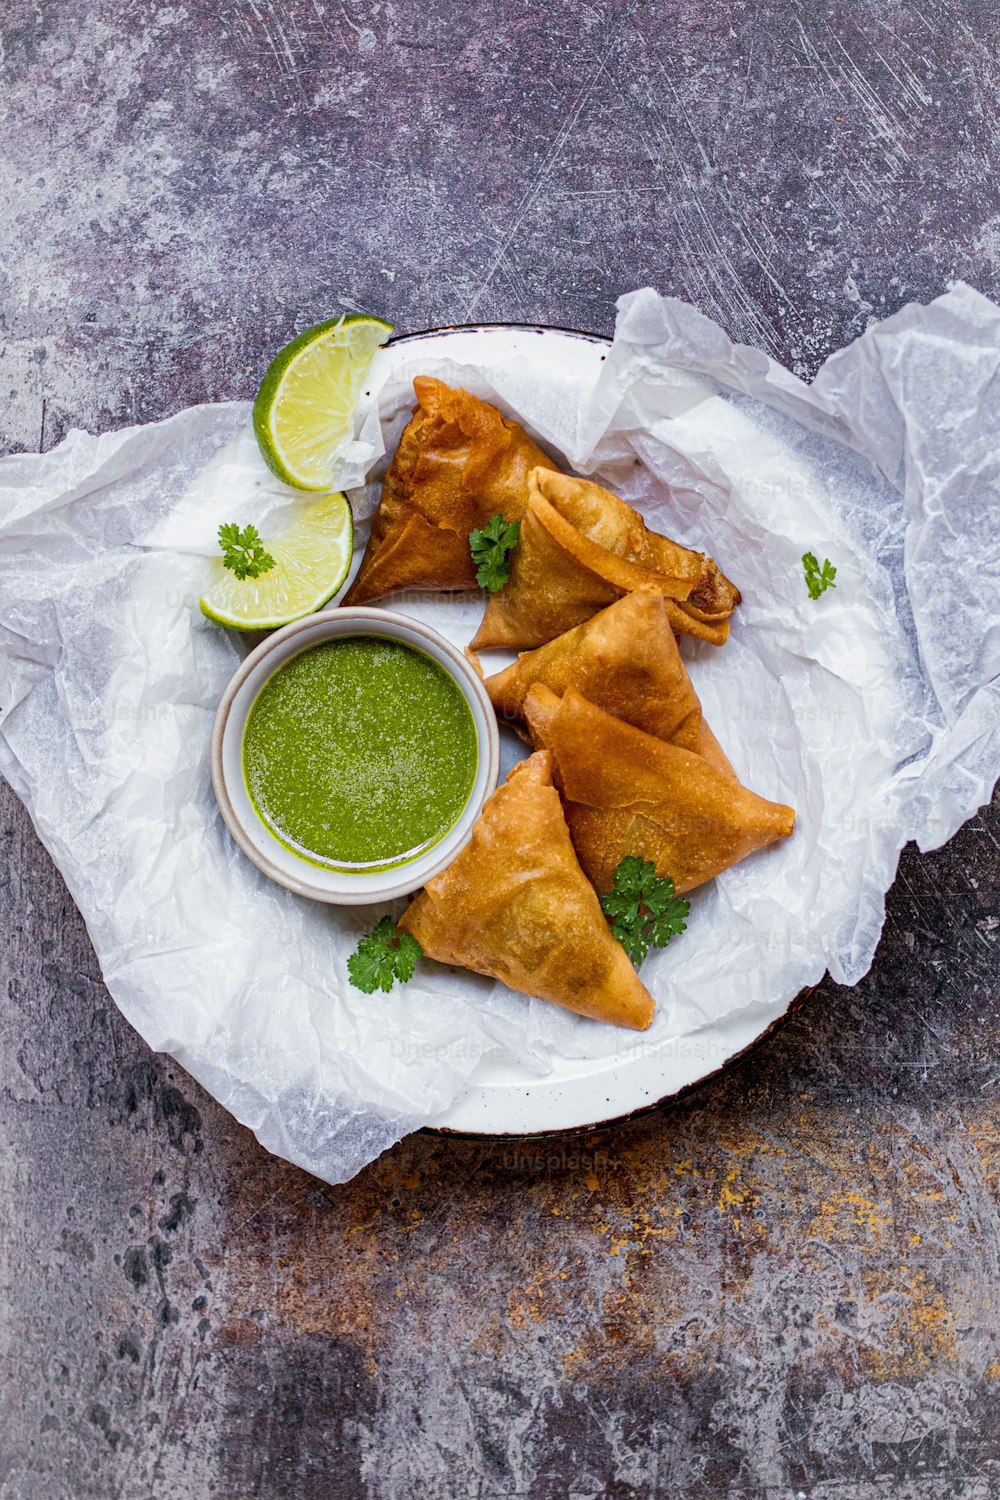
(873, 711)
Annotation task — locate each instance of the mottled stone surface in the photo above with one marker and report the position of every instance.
(786, 1285)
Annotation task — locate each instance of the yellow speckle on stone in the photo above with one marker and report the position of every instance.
(868, 1214)
(731, 1198)
(916, 1329)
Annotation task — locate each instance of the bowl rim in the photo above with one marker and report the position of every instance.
(340, 620)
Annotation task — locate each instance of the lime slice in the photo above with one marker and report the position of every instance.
(303, 414)
(311, 559)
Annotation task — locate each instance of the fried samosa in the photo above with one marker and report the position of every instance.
(625, 792)
(624, 659)
(580, 549)
(516, 905)
(459, 461)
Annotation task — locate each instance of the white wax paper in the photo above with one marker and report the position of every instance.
(873, 710)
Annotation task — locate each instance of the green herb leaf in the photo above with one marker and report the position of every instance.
(382, 957)
(243, 551)
(644, 910)
(818, 579)
(491, 548)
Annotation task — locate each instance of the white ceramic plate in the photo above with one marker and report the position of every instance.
(503, 1098)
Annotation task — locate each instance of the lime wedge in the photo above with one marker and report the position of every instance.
(311, 559)
(303, 414)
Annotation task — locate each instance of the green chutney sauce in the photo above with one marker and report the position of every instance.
(360, 753)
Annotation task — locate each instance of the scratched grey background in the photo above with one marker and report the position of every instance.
(787, 1285)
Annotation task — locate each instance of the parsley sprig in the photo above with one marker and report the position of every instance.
(818, 579)
(243, 551)
(491, 548)
(644, 910)
(382, 957)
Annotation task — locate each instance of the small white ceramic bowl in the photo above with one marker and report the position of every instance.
(251, 833)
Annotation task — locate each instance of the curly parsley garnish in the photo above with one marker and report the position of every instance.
(818, 579)
(382, 957)
(644, 910)
(491, 548)
(243, 551)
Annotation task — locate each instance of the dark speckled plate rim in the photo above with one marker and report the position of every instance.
(770, 1030)
(430, 333)
(676, 1097)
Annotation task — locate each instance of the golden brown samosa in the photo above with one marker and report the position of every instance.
(516, 905)
(626, 792)
(624, 659)
(580, 549)
(458, 463)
